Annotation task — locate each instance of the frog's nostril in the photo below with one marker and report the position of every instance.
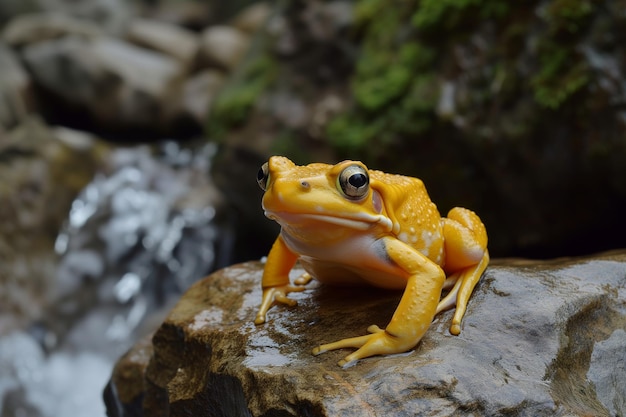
(305, 185)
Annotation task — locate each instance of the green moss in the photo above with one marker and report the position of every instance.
(384, 75)
(392, 86)
(367, 10)
(559, 79)
(396, 90)
(352, 132)
(447, 14)
(562, 71)
(234, 103)
(384, 69)
(415, 113)
(568, 16)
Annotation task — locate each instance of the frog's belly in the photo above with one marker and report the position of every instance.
(335, 273)
(356, 260)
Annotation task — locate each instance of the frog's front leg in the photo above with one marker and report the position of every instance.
(275, 281)
(414, 313)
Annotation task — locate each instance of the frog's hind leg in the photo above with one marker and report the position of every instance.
(462, 291)
(467, 257)
(452, 283)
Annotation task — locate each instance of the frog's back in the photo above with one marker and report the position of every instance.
(415, 218)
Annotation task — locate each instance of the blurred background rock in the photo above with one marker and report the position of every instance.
(131, 132)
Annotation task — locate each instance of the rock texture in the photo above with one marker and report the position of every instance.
(128, 78)
(539, 339)
(16, 99)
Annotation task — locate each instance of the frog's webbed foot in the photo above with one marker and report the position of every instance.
(278, 295)
(413, 316)
(378, 342)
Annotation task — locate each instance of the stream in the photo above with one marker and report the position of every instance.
(136, 237)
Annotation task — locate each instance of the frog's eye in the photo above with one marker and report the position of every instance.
(354, 182)
(263, 176)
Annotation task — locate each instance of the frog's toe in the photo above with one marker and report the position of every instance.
(374, 329)
(352, 342)
(345, 363)
(273, 296)
(260, 318)
(378, 342)
(303, 279)
(283, 299)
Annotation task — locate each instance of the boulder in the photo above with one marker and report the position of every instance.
(115, 85)
(539, 338)
(110, 15)
(37, 27)
(252, 18)
(223, 46)
(198, 94)
(16, 95)
(167, 38)
(191, 14)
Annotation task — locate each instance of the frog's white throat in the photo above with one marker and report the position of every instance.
(356, 221)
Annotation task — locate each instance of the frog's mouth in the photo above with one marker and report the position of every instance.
(356, 221)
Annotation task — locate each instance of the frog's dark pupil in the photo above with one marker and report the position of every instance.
(357, 180)
(260, 175)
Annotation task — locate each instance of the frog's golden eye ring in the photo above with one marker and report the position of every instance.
(263, 176)
(354, 182)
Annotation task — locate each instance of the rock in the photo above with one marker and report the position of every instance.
(252, 18)
(537, 340)
(16, 95)
(171, 40)
(325, 20)
(191, 14)
(11, 8)
(124, 395)
(199, 92)
(223, 46)
(37, 27)
(116, 85)
(608, 364)
(110, 15)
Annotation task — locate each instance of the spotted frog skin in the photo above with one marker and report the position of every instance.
(350, 225)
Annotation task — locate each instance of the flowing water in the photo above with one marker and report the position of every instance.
(136, 237)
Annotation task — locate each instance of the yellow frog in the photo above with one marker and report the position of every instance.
(350, 225)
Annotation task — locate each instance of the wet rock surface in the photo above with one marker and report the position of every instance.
(539, 338)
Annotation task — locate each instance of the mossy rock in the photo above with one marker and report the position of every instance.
(511, 109)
